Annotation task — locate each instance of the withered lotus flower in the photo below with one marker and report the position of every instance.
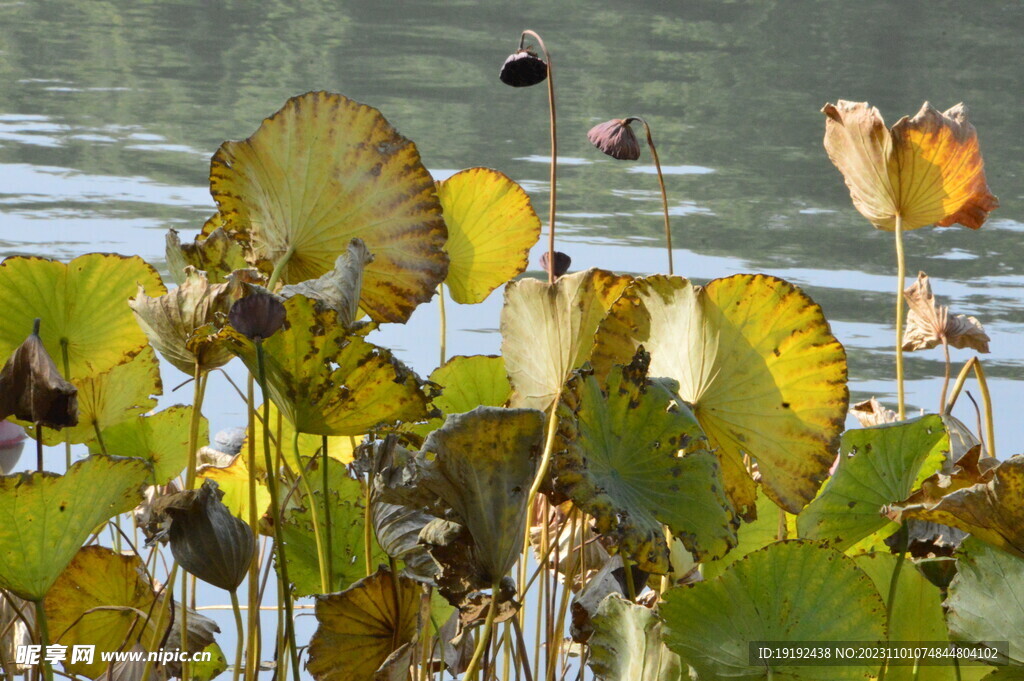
(924, 170)
(929, 324)
(206, 539)
(33, 390)
(562, 263)
(616, 139)
(872, 413)
(258, 316)
(523, 68)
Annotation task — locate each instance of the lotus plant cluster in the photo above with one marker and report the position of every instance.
(651, 475)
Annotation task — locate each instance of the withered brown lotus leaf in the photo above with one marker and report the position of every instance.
(927, 169)
(206, 539)
(33, 390)
(616, 139)
(338, 289)
(929, 324)
(258, 316)
(523, 68)
(872, 413)
(214, 252)
(562, 263)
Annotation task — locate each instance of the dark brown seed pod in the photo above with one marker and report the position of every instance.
(522, 69)
(206, 539)
(33, 390)
(258, 316)
(562, 262)
(616, 139)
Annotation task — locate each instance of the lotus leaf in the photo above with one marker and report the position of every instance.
(339, 447)
(790, 591)
(929, 323)
(986, 596)
(878, 466)
(548, 330)
(465, 383)
(764, 530)
(1006, 674)
(637, 460)
(346, 503)
(81, 304)
(45, 518)
(362, 626)
(233, 481)
(104, 599)
(327, 382)
(171, 320)
(215, 253)
(104, 400)
(992, 511)
(627, 644)
(491, 228)
(927, 169)
(339, 288)
(755, 359)
(160, 438)
(322, 171)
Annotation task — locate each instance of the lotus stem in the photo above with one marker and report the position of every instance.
(627, 568)
(164, 601)
(661, 184)
(39, 447)
(199, 385)
(521, 647)
(563, 606)
(945, 378)
(986, 397)
(321, 552)
(275, 511)
(393, 566)
(240, 635)
(44, 640)
(279, 268)
(545, 459)
(893, 587)
(901, 275)
(99, 437)
(327, 514)
(67, 377)
(443, 323)
(485, 635)
(253, 615)
(554, 147)
(368, 530)
(185, 666)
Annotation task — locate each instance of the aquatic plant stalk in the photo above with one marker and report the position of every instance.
(253, 615)
(443, 323)
(67, 377)
(240, 633)
(321, 552)
(979, 372)
(945, 377)
(279, 267)
(661, 184)
(199, 390)
(44, 639)
(485, 635)
(901, 275)
(893, 584)
(327, 513)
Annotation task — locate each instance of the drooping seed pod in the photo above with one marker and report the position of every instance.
(616, 139)
(562, 262)
(33, 390)
(523, 68)
(258, 316)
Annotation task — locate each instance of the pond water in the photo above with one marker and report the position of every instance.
(110, 110)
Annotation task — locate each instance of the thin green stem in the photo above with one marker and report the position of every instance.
(279, 267)
(901, 275)
(545, 459)
(327, 513)
(44, 640)
(443, 323)
(893, 587)
(99, 437)
(199, 389)
(253, 615)
(185, 665)
(240, 637)
(321, 553)
(945, 378)
(554, 150)
(661, 185)
(986, 396)
(627, 568)
(67, 377)
(368, 530)
(485, 635)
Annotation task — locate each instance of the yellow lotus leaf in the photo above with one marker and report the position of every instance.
(233, 481)
(359, 628)
(45, 518)
(106, 399)
(339, 447)
(327, 381)
(104, 599)
(547, 330)
(161, 438)
(757, 362)
(491, 228)
(215, 253)
(927, 169)
(81, 304)
(322, 171)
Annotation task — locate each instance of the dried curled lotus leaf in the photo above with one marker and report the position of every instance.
(215, 253)
(325, 170)
(627, 644)
(927, 169)
(790, 591)
(339, 288)
(928, 323)
(548, 330)
(623, 466)
(877, 466)
(32, 389)
(359, 628)
(45, 518)
(756, 360)
(81, 304)
(327, 382)
(491, 228)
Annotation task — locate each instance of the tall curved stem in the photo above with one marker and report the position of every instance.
(554, 148)
(661, 184)
(901, 275)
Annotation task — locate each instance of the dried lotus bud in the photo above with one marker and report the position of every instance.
(258, 316)
(562, 262)
(616, 139)
(33, 390)
(522, 69)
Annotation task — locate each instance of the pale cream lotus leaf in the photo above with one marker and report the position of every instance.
(872, 413)
(339, 288)
(929, 324)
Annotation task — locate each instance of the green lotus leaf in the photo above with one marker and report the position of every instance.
(548, 330)
(491, 228)
(114, 396)
(627, 644)
(45, 518)
(325, 170)
(465, 383)
(328, 382)
(1006, 674)
(215, 253)
(759, 533)
(233, 481)
(757, 362)
(346, 503)
(790, 591)
(206, 670)
(359, 628)
(160, 438)
(992, 511)
(986, 598)
(82, 306)
(636, 461)
(170, 320)
(878, 466)
(104, 598)
(339, 288)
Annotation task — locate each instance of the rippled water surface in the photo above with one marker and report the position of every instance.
(110, 110)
